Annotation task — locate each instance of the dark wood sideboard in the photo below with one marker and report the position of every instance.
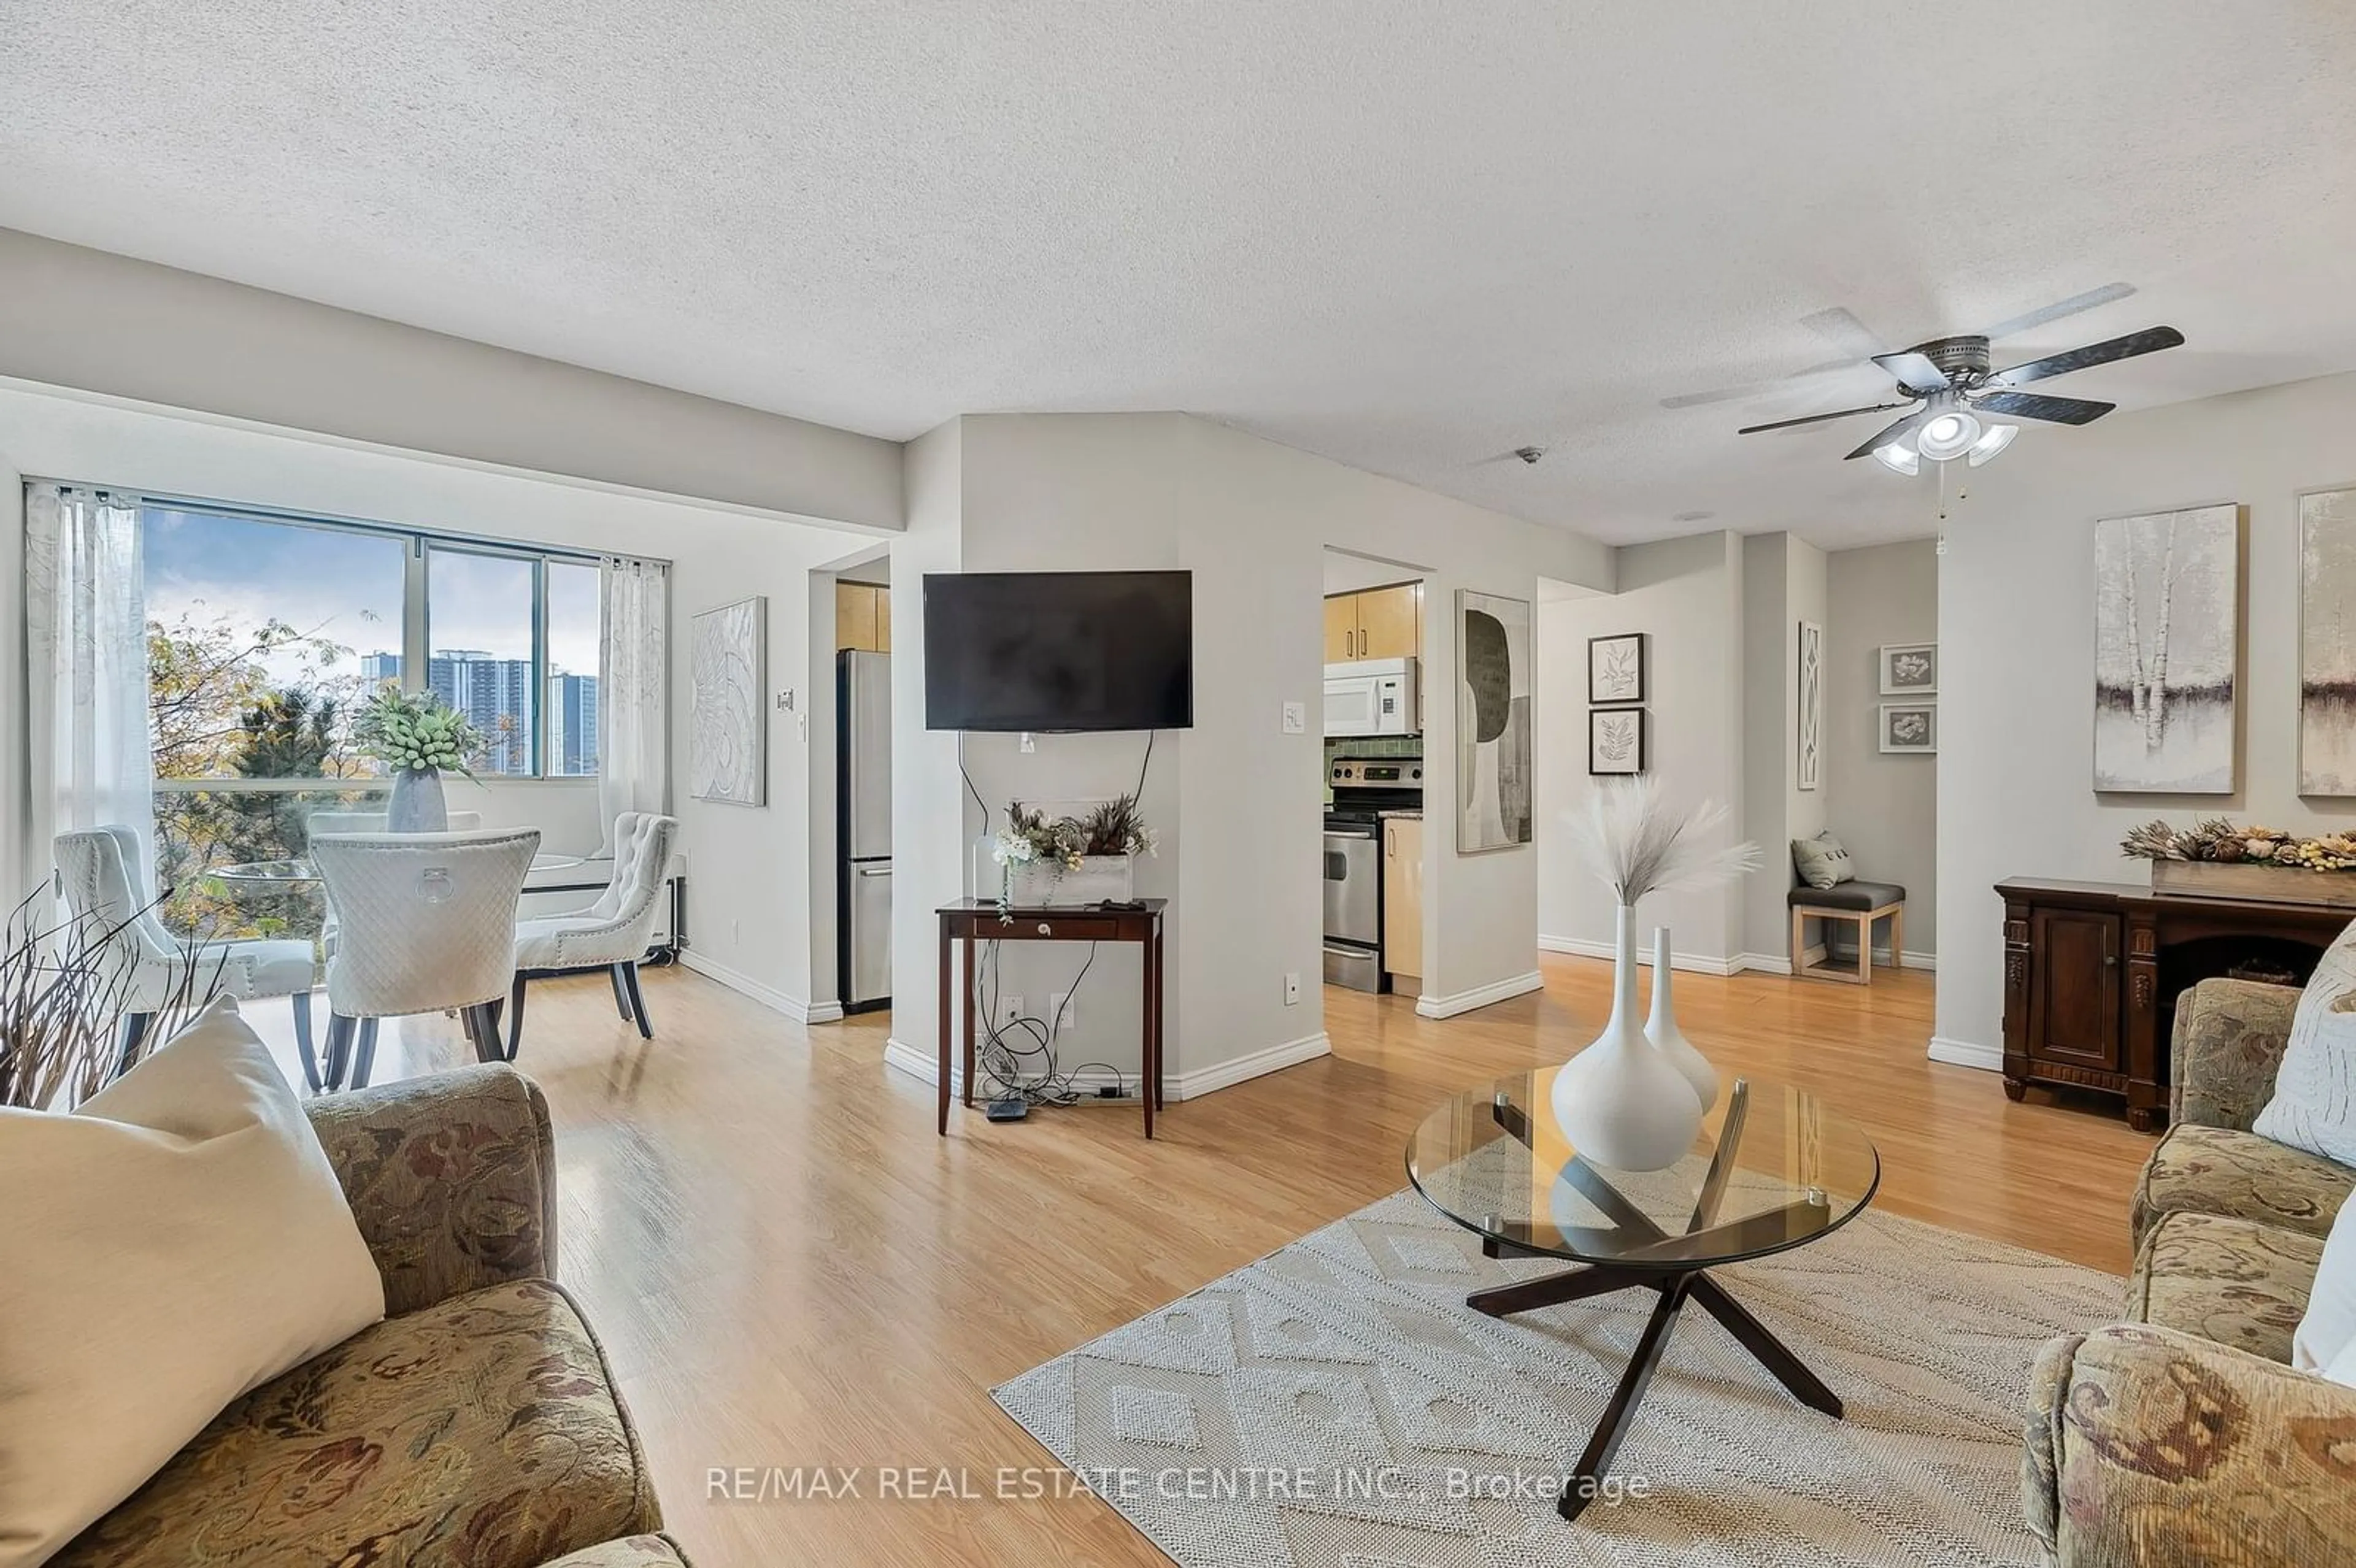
(2092, 971)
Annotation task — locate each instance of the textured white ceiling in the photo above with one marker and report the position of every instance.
(1409, 236)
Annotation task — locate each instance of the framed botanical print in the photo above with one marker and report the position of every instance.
(1910, 728)
(1615, 741)
(1909, 670)
(1616, 669)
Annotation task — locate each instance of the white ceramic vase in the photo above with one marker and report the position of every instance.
(1662, 1030)
(1619, 1101)
(417, 804)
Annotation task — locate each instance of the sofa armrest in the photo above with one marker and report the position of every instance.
(452, 1178)
(2150, 1448)
(2229, 1039)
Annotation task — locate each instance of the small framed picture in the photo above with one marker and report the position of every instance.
(1615, 740)
(1615, 668)
(1909, 670)
(1910, 728)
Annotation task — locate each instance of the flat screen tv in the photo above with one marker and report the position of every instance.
(1059, 650)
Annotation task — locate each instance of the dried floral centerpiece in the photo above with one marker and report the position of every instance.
(65, 991)
(416, 735)
(1070, 859)
(2215, 859)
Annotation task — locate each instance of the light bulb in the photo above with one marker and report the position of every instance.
(1897, 458)
(1949, 434)
(1998, 437)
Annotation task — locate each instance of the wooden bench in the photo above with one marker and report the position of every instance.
(1863, 903)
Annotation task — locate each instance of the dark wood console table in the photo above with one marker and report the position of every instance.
(968, 921)
(2092, 971)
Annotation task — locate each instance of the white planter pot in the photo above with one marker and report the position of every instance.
(1097, 879)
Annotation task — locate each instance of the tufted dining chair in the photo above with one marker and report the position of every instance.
(427, 924)
(340, 821)
(611, 935)
(105, 878)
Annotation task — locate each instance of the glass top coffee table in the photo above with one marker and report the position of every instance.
(1771, 1169)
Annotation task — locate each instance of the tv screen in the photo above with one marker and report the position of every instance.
(1059, 650)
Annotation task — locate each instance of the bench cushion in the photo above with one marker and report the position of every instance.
(1849, 896)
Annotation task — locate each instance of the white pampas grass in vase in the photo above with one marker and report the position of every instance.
(1626, 1100)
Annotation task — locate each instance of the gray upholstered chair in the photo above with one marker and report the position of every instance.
(427, 924)
(104, 879)
(610, 934)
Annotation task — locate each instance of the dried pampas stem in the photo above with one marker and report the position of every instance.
(1635, 843)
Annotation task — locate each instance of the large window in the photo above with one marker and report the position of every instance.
(266, 634)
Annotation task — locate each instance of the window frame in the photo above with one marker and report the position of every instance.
(416, 622)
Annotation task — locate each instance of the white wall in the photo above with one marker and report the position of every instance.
(1237, 801)
(1883, 809)
(2016, 639)
(748, 877)
(1686, 595)
(105, 323)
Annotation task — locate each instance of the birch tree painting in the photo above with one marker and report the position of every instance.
(2168, 641)
(2327, 643)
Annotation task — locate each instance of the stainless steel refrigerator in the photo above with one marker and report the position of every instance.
(862, 794)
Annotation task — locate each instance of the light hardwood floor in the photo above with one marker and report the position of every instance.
(788, 1268)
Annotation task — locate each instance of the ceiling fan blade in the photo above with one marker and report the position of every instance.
(2037, 406)
(1904, 427)
(2150, 340)
(2055, 312)
(1817, 419)
(1838, 327)
(1915, 372)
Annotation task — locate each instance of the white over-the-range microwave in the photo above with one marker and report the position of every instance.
(1372, 697)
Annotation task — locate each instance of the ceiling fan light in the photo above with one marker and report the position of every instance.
(1947, 435)
(1898, 457)
(1998, 437)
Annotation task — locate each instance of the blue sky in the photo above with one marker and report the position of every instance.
(346, 586)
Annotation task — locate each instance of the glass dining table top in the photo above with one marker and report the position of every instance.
(298, 872)
(1772, 1167)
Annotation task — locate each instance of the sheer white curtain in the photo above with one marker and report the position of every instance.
(86, 647)
(633, 692)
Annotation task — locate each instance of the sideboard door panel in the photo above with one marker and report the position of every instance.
(2074, 1015)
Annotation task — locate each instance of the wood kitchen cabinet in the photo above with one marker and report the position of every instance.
(1403, 903)
(1375, 624)
(863, 617)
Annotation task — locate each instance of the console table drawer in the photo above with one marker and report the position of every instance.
(1059, 928)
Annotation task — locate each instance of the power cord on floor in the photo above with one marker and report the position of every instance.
(1018, 1054)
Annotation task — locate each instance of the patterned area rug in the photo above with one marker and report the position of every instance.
(1337, 1403)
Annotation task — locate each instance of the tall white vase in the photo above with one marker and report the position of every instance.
(1662, 1030)
(1619, 1101)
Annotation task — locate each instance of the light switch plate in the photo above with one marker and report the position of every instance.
(1296, 719)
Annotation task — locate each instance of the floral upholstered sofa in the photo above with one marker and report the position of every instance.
(476, 1427)
(2183, 1437)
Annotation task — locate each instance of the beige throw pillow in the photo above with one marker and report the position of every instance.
(2314, 1102)
(1820, 861)
(176, 1240)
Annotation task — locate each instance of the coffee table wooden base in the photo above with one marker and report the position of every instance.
(1676, 1289)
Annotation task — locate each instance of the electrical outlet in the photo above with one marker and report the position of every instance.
(1009, 1009)
(1296, 719)
(1030, 742)
(1293, 987)
(735, 932)
(1062, 1013)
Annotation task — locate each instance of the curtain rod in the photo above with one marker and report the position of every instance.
(161, 498)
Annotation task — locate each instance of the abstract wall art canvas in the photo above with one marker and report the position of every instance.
(1615, 668)
(2168, 651)
(728, 743)
(1909, 670)
(1810, 761)
(2327, 643)
(1615, 740)
(1493, 722)
(1910, 728)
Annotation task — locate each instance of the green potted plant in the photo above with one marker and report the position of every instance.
(416, 735)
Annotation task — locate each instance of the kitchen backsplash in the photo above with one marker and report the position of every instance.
(1369, 746)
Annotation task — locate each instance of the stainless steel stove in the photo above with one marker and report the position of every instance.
(1364, 788)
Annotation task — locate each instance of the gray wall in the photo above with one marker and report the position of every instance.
(1883, 809)
(1783, 584)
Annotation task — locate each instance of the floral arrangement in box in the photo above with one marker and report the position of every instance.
(1062, 845)
(2220, 842)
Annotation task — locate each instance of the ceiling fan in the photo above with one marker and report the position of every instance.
(1958, 403)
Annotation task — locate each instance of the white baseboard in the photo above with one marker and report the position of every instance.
(1690, 963)
(1479, 995)
(769, 997)
(1764, 963)
(925, 1065)
(1964, 1053)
